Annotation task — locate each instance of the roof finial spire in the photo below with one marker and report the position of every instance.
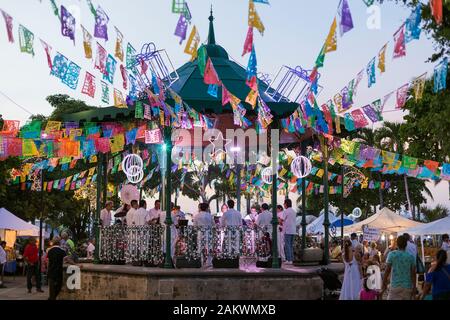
(211, 36)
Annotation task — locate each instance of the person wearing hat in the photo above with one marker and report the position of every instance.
(105, 214)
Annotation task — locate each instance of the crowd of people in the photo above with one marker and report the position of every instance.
(260, 217)
(61, 249)
(372, 275)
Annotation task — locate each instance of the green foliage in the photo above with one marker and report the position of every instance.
(64, 104)
(427, 125)
(430, 215)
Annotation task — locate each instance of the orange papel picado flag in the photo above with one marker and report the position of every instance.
(331, 42)
(253, 18)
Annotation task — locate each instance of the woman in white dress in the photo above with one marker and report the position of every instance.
(352, 284)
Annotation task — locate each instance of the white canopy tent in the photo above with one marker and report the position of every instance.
(9, 222)
(384, 220)
(441, 226)
(437, 227)
(316, 226)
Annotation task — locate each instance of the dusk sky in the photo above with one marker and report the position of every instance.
(295, 32)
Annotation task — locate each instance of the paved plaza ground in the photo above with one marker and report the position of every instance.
(16, 289)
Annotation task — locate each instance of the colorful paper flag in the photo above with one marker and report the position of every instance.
(210, 76)
(371, 113)
(399, 43)
(331, 41)
(440, 75)
(131, 57)
(100, 61)
(9, 26)
(26, 40)
(253, 18)
(402, 96)
(68, 24)
(345, 16)
(248, 45)
(413, 24)
(59, 66)
(437, 10)
(419, 86)
(72, 75)
(87, 43)
(359, 120)
(181, 29)
(382, 59)
(48, 50)
(119, 45)
(111, 64)
(105, 92)
(371, 73)
(89, 85)
(192, 43)
(119, 102)
(123, 72)
(101, 24)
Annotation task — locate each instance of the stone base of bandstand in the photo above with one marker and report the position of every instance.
(125, 282)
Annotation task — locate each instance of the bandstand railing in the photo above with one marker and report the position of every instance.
(145, 244)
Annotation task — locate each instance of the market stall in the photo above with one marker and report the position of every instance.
(386, 221)
(437, 227)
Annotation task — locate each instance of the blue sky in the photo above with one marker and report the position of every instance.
(295, 32)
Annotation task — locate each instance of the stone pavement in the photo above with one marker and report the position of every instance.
(17, 290)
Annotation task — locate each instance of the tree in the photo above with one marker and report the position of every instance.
(64, 104)
(430, 215)
(390, 138)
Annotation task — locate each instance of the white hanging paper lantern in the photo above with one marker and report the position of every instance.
(267, 175)
(301, 167)
(133, 167)
(132, 160)
(356, 213)
(136, 178)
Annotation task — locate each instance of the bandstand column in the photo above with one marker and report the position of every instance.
(326, 222)
(98, 209)
(273, 138)
(304, 224)
(167, 181)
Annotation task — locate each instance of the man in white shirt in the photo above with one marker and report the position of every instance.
(289, 227)
(3, 260)
(141, 214)
(154, 214)
(411, 247)
(105, 214)
(264, 219)
(231, 218)
(204, 219)
(129, 218)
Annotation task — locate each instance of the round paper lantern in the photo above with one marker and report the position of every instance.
(357, 212)
(267, 175)
(136, 178)
(132, 161)
(129, 193)
(132, 166)
(301, 167)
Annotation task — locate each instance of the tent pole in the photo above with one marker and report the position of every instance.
(423, 249)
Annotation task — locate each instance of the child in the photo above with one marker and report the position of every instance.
(368, 294)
